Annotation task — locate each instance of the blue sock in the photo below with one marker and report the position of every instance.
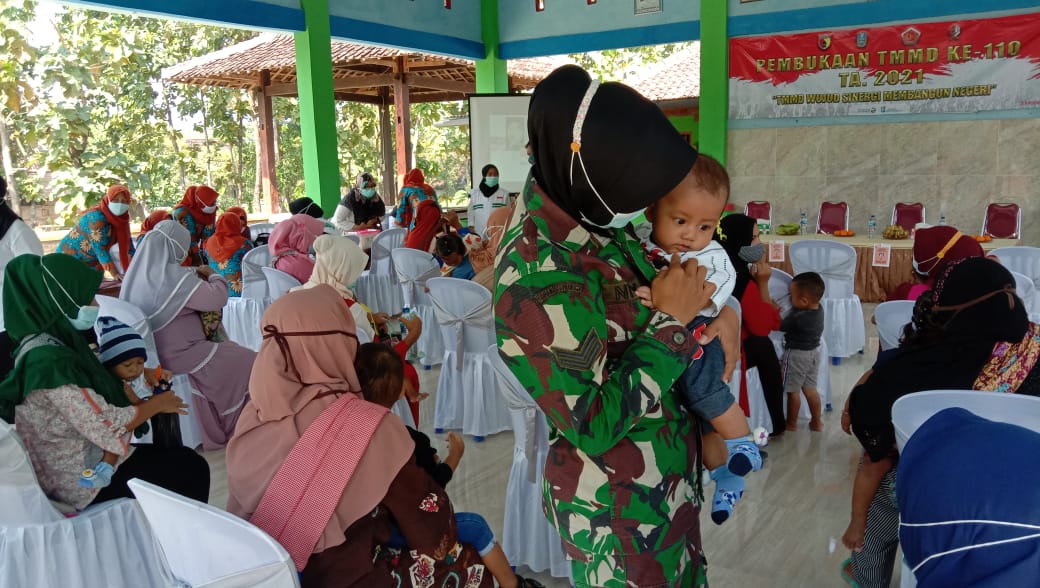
(728, 490)
(99, 477)
(744, 456)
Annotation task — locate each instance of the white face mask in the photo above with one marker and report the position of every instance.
(619, 221)
(85, 317)
(118, 208)
(179, 251)
(206, 209)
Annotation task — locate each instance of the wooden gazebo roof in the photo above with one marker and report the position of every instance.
(360, 72)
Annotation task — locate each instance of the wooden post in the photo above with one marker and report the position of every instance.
(389, 190)
(403, 117)
(265, 126)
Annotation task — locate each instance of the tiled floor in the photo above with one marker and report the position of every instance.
(786, 532)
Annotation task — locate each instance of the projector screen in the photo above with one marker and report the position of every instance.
(498, 134)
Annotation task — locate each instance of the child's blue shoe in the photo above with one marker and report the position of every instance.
(728, 490)
(99, 477)
(744, 456)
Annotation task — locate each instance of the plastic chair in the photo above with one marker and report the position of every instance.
(242, 318)
(527, 537)
(891, 317)
(279, 282)
(413, 269)
(378, 287)
(1022, 259)
(260, 229)
(134, 318)
(354, 238)
(1002, 221)
(759, 209)
(466, 397)
(1029, 294)
(907, 215)
(254, 284)
(206, 546)
(843, 313)
(105, 545)
(834, 216)
(780, 289)
(912, 411)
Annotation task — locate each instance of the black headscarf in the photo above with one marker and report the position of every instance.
(738, 230)
(633, 154)
(306, 206)
(485, 189)
(975, 307)
(7, 216)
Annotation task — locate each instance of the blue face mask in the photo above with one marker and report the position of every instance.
(85, 317)
(491, 181)
(118, 208)
(368, 192)
(530, 159)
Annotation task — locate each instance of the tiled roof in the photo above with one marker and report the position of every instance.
(677, 77)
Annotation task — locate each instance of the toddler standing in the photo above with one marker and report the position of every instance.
(802, 329)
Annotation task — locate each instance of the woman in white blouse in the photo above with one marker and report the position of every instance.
(484, 199)
(16, 238)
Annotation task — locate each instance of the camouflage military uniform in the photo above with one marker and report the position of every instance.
(620, 476)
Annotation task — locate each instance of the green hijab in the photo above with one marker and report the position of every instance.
(35, 303)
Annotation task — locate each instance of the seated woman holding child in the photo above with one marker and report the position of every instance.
(308, 439)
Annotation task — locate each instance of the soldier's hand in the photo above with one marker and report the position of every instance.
(681, 290)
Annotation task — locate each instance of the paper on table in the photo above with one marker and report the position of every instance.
(776, 252)
(882, 255)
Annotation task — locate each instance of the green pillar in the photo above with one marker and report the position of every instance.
(492, 77)
(317, 106)
(714, 103)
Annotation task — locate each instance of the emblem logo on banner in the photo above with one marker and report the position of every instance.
(911, 36)
(861, 39)
(776, 252)
(823, 42)
(955, 32)
(882, 255)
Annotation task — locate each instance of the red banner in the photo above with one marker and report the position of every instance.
(954, 66)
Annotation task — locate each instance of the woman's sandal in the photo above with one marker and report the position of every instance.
(523, 582)
(846, 569)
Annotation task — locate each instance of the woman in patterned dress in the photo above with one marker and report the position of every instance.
(98, 229)
(225, 250)
(197, 213)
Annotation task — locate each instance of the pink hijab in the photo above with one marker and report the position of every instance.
(290, 241)
(309, 457)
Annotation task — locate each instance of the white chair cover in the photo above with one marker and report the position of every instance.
(106, 545)
(734, 382)
(378, 287)
(242, 319)
(254, 284)
(413, 269)
(527, 537)
(134, 318)
(259, 229)
(843, 313)
(1021, 259)
(780, 289)
(891, 317)
(912, 410)
(756, 395)
(279, 282)
(466, 397)
(206, 546)
(1029, 294)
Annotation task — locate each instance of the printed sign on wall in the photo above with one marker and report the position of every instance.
(940, 67)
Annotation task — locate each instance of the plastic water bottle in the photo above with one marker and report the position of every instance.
(942, 219)
(872, 226)
(406, 313)
(803, 224)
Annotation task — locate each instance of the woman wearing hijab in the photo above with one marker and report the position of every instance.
(326, 473)
(173, 298)
(487, 197)
(291, 242)
(16, 238)
(956, 341)
(934, 248)
(225, 250)
(760, 315)
(623, 456)
(483, 257)
(414, 181)
(197, 212)
(424, 219)
(338, 262)
(66, 406)
(155, 217)
(101, 226)
(361, 208)
(306, 206)
(242, 216)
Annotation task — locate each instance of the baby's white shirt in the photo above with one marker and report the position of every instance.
(720, 272)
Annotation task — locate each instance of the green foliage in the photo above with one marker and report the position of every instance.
(621, 64)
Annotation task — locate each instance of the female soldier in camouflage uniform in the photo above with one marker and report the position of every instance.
(620, 479)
